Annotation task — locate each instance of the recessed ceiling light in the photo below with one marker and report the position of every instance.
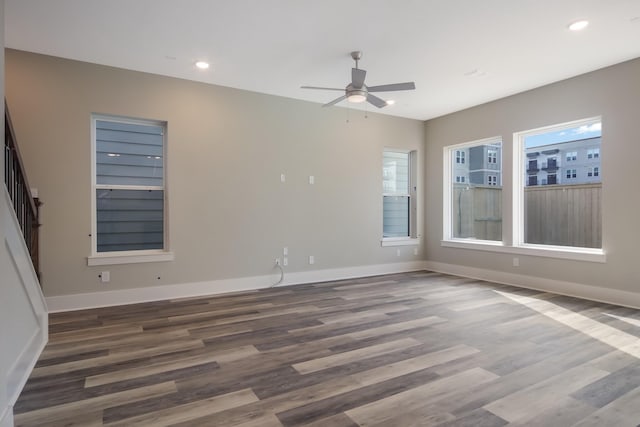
(390, 102)
(202, 65)
(578, 25)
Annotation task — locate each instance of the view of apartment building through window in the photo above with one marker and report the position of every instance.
(476, 190)
(562, 185)
(571, 161)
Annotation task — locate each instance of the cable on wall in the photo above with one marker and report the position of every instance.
(281, 274)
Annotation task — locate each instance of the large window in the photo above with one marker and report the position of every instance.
(473, 207)
(129, 187)
(399, 195)
(565, 213)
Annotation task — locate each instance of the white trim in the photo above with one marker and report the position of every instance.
(213, 287)
(98, 256)
(519, 157)
(18, 374)
(129, 257)
(399, 241)
(578, 290)
(547, 251)
(6, 417)
(447, 181)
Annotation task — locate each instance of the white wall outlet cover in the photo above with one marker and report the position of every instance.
(283, 178)
(285, 251)
(312, 259)
(105, 276)
(312, 179)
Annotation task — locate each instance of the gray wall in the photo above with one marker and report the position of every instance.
(613, 93)
(229, 214)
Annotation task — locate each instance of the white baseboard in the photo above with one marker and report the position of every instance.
(593, 293)
(213, 287)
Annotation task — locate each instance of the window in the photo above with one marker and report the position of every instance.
(460, 157)
(533, 180)
(559, 216)
(492, 156)
(399, 195)
(552, 179)
(128, 188)
(460, 179)
(473, 209)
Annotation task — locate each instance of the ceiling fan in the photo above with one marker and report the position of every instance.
(357, 91)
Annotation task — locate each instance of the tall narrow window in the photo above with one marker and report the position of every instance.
(473, 209)
(563, 213)
(129, 186)
(399, 194)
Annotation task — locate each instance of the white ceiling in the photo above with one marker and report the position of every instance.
(460, 53)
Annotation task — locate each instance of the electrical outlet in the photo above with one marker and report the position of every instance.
(283, 178)
(516, 262)
(285, 251)
(312, 179)
(285, 261)
(397, 252)
(312, 259)
(105, 277)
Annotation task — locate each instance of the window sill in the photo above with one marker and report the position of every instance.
(559, 252)
(133, 257)
(399, 241)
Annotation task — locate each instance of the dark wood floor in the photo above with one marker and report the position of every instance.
(415, 349)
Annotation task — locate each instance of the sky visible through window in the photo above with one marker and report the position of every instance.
(581, 132)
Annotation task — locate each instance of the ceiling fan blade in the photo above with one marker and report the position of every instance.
(335, 101)
(357, 77)
(372, 99)
(321, 88)
(392, 87)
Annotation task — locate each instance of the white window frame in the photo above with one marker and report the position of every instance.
(519, 245)
(413, 239)
(448, 173)
(127, 257)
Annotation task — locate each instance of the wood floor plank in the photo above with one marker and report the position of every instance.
(125, 374)
(526, 404)
(71, 410)
(340, 358)
(382, 410)
(190, 411)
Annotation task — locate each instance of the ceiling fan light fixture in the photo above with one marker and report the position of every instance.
(356, 98)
